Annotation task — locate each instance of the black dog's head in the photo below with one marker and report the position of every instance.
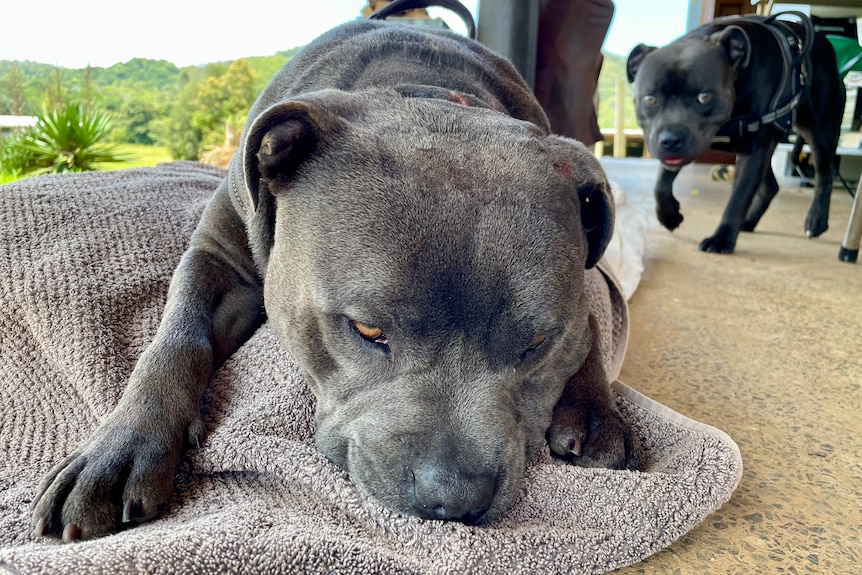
(684, 92)
(426, 270)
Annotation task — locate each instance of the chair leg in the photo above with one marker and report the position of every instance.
(849, 251)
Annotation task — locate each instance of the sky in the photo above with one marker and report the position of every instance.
(102, 33)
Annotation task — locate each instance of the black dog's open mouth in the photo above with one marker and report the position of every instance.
(674, 162)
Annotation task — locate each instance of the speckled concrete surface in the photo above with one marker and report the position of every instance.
(765, 344)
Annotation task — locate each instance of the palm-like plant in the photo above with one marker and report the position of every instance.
(66, 139)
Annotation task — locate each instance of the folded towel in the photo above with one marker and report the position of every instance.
(85, 261)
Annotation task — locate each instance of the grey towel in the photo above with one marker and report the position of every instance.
(85, 262)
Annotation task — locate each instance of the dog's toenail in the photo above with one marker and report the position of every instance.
(71, 533)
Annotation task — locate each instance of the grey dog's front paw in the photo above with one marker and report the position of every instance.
(122, 475)
(593, 437)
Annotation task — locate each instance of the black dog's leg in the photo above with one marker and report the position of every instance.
(823, 146)
(667, 207)
(819, 122)
(767, 190)
(750, 172)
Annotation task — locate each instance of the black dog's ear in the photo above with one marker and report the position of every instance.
(280, 139)
(636, 57)
(736, 45)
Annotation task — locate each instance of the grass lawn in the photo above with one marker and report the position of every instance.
(140, 156)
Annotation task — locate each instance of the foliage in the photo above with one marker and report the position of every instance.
(186, 109)
(8, 172)
(208, 108)
(66, 139)
(150, 101)
(140, 156)
(614, 70)
(222, 99)
(133, 119)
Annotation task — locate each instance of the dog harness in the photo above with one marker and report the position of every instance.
(796, 71)
(403, 5)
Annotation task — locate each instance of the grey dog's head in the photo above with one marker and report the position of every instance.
(425, 267)
(684, 92)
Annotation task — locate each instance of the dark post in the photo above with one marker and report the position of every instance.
(510, 28)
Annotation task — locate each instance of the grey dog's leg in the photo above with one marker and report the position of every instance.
(587, 428)
(124, 472)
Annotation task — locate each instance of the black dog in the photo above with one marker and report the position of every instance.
(747, 80)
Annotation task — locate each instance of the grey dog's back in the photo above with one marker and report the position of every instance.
(367, 54)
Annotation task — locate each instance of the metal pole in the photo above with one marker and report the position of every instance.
(620, 120)
(849, 251)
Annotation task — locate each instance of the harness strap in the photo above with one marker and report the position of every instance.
(796, 70)
(402, 5)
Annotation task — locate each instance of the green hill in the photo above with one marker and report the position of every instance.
(144, 96)
(613, 70)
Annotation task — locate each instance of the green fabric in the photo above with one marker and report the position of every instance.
(848, 52)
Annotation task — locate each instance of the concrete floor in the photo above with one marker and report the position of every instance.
(764, 344)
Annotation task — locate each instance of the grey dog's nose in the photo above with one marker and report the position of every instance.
(443, 491)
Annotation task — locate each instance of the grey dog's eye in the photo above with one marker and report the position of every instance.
(704, 97)
(539, 340)
(649, 100)
(534, 345)
(370, 333)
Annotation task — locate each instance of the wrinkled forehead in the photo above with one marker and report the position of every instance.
(446, 247)
(692, 62)
(442, 202)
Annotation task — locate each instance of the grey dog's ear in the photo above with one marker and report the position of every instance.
(597, 217)
(736, 45)
(636, 58)
(280, 139)
(596, 201)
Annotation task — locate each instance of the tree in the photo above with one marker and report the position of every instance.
(223, 99)
(202, 109)
(133, 120)
(16, 95)
(176, 131)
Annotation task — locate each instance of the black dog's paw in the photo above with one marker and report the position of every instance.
(123, 474)
(669, 215)
(748, 226)
(718, 244)
(597, 437)
(815, 224)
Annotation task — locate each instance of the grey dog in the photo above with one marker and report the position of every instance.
(747, 80)
(418, 241)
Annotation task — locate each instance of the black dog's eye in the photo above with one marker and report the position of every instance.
(370, 333)
(650, 100)
(704, 97)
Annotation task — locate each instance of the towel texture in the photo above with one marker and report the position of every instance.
(85, 262)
